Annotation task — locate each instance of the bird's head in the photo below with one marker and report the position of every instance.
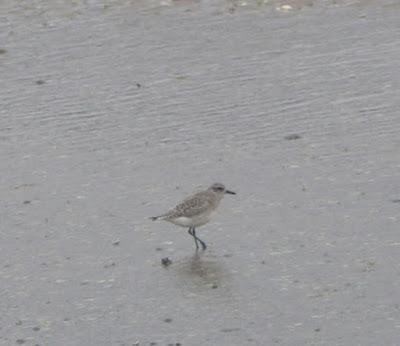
(220, 189)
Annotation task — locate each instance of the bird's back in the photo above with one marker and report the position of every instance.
(202, 202)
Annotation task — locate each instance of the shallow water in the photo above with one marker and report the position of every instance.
(111, 112)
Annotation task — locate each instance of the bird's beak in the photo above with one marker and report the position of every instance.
(230, 192)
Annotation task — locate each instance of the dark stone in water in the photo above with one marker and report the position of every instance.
(166, 262)
(292, 137)
(229, 330)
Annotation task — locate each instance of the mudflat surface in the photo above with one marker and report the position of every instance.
(113, 111)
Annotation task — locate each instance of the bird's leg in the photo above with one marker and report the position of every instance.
(194, 237)
(203, 244)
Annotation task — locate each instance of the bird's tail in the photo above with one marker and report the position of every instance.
(159, 217)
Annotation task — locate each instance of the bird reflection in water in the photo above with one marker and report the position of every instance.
(202, 270)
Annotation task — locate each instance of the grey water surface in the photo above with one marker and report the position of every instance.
(113, 111)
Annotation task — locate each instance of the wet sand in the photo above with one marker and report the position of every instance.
(111, 112)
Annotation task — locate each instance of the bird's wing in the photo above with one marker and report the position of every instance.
(191, 206)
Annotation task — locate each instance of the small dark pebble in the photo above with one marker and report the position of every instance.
(138, 85)
(262, 262)
(18, 323)
(20, 341)
(396, 200)
(166, 261)
(214, 286)
(115, 243)
(153, 343)
(317, 330)
(39, 82)
(178, 344)
(36, 329)
(110, 265)
(27, 202)
(228, 255)
(66, 319)
(3, 51)
(228, 330)
(292, 137)
(158, 248)
(168, 320)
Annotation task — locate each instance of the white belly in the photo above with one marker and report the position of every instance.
(194, 221)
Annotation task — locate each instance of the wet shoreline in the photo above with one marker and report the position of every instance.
(113, 111)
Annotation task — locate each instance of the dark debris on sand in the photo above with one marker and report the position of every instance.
(166, 262)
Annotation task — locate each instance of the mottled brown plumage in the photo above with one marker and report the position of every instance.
(196, 210)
